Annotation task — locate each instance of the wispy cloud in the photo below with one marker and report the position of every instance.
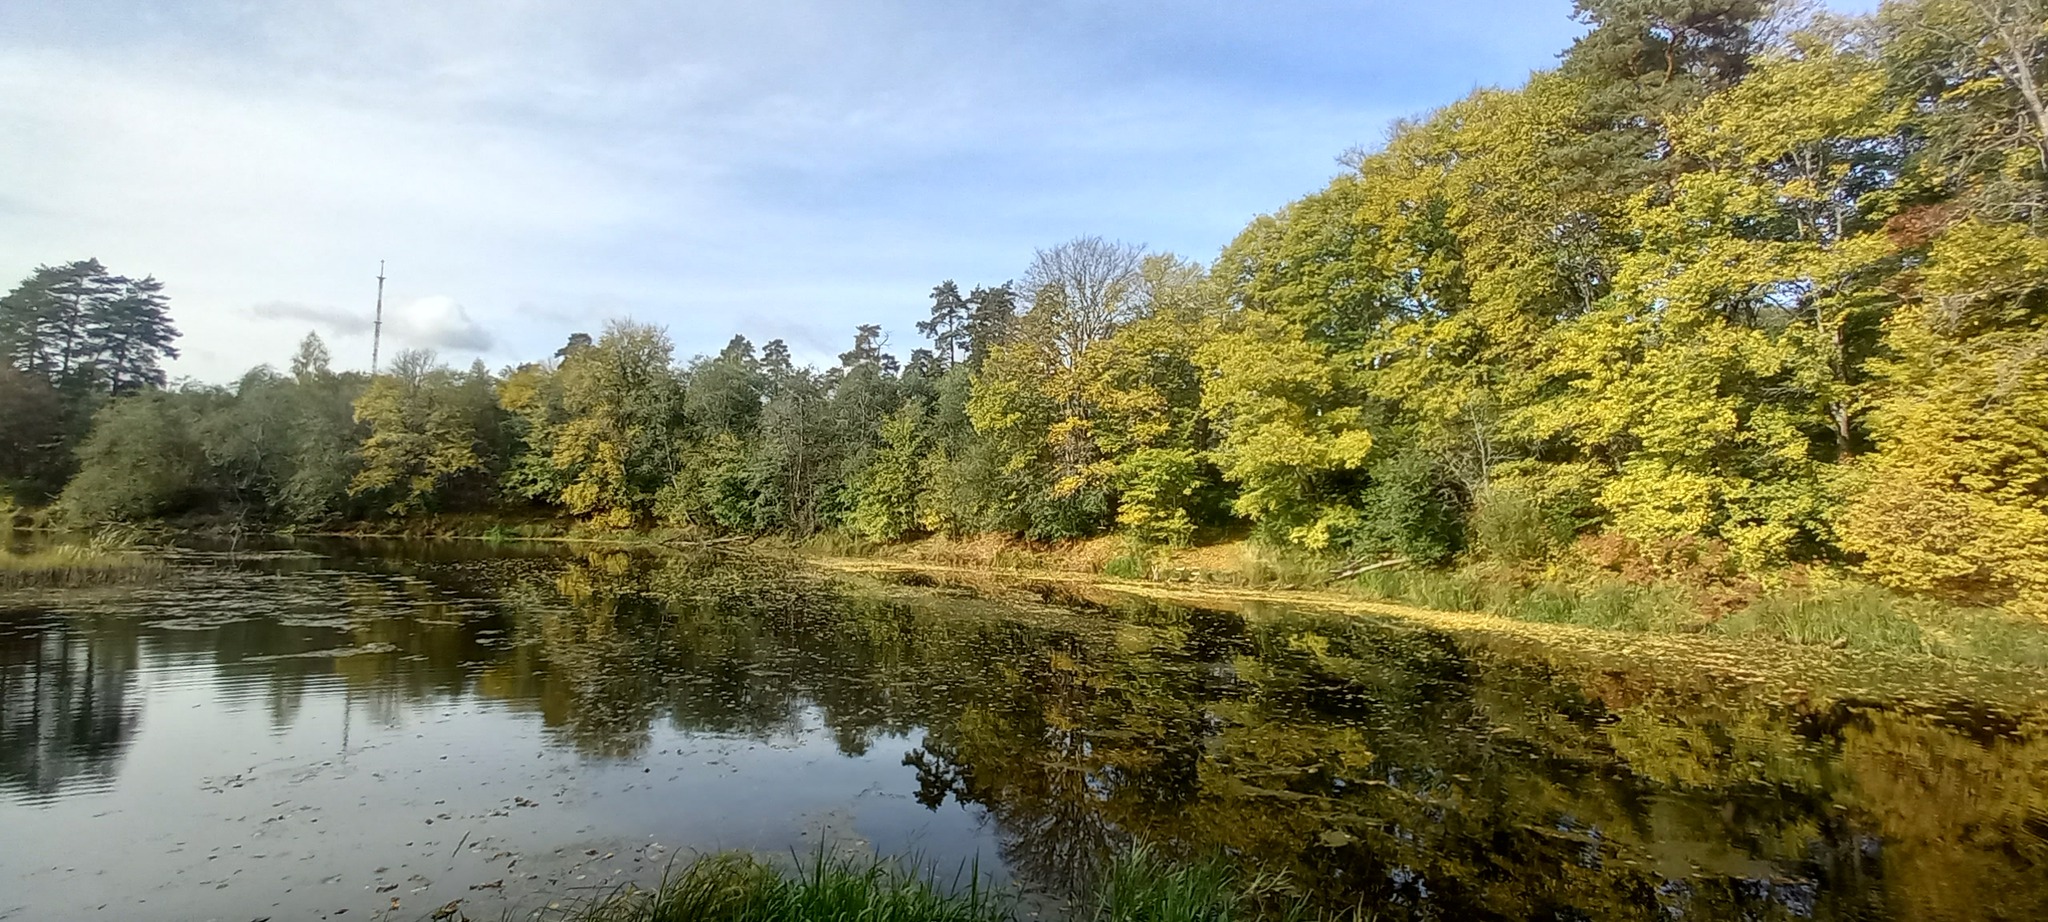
(787, 167)
(328, 320)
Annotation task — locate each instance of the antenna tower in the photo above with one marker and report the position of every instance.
(377, 326)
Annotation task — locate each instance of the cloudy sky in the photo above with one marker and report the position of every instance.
(779, 168)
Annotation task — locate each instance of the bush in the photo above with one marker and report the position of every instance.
(1510, 526)
(143, 460)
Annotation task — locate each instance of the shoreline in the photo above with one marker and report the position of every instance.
(1765, 666)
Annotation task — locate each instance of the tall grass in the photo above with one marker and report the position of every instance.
(72, 567)
(740, 888)
(1140, 886)
(1863, 617)
(1137, 887)
(1614, 606)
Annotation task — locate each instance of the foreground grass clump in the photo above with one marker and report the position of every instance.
(1140, 886)
(69, 567)
(740, 888)
(1136, 887)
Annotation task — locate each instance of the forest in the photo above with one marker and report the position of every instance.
(1733, 278)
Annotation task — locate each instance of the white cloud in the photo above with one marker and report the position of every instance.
(328, 320)
(439, 323)
(787, 167)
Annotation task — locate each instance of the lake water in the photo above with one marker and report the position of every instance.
(373, 730)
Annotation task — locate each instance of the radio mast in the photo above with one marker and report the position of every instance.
(377, 326)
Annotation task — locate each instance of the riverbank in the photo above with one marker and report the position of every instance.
(1631, 594)
(1807, 608)
(1761, 666)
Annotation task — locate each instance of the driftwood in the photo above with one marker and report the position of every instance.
(1360, 569)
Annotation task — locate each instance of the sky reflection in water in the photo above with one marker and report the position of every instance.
(338, 727)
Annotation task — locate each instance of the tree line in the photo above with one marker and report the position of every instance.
(1729, 275)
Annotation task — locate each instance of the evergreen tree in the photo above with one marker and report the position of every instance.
(948, 326)
(87, 330)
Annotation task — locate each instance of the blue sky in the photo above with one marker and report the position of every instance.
(778, 168)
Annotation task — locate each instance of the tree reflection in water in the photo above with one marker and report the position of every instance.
(66, 712)
(1365, 762)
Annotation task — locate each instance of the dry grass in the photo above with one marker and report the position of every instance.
(71, 567)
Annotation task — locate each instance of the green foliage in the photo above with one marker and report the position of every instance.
(615, 446)
(143, 459)
(1729, 277)
(1287, 436)
(86, 330)
(33, 464)
(1409, 510)
(428, 429)
(885, 507)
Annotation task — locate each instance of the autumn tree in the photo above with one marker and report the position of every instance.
(426, 431)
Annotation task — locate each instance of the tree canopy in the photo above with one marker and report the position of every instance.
(1730, 276)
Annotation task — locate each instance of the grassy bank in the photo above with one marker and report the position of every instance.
(71, 567)
(1137, 887)
(1828, 611)
(1809, 607)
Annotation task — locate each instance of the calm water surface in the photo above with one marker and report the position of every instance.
(363, 730)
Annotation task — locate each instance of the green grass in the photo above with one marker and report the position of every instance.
(1845, 614)
(1611, 606)
(1437, 589)
(1859, 617)
(1134, 563)
(1140, 886)
(71, 567)
(1863, 617)
(1137, 887)
(740, 888)
(837, 543)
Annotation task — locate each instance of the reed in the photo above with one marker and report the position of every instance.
(72, 567)
(1138, 886)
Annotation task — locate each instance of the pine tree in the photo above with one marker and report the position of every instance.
(87, 330)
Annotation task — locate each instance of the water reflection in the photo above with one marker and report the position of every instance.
(67, 706)
(1366, 763)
